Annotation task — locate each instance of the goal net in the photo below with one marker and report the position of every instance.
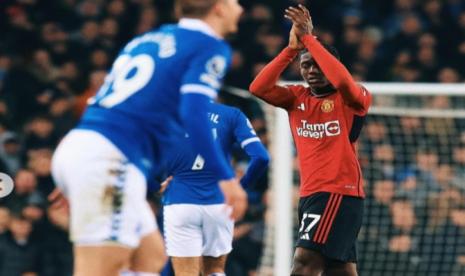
(412, 152)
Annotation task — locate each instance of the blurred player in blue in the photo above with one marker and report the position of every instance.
(194, 218)
(160, 87)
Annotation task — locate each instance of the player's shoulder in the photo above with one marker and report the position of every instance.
(200, 40)
(297, 89)
(363, 88)
(196, 38)
(226, 109)
(192, 35)
(208, 44)
(162, 36)
(230, 114)
(166, 28)
(366, 95)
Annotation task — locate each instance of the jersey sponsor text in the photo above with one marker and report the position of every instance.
(318, 130)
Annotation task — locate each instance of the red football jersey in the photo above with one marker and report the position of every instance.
(324, 128)
(324, 131)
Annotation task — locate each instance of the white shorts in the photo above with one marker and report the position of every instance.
(106, 193)
(198, 230)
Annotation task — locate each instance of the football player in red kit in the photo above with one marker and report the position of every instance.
(326, 119)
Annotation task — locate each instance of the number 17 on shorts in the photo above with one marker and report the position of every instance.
(307, 223)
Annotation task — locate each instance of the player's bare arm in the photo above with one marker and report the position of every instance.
(332, 68)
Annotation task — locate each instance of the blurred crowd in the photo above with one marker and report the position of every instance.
(54, 55)
(415, 184)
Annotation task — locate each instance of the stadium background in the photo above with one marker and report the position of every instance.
(54, 54)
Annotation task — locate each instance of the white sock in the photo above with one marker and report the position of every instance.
(217, 274)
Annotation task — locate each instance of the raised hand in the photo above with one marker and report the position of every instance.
(294, 42)
(301, 19)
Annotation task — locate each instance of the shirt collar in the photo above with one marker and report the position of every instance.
(323, 92)
(197, 25)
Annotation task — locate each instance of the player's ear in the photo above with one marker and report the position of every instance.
(220, 8)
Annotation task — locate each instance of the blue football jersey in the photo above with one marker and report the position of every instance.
(193, 181)
(137, 108)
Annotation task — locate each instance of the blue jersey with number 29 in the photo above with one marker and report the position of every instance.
(137, 108)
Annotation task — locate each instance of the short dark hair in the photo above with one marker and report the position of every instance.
(328, 47)
(195, 8)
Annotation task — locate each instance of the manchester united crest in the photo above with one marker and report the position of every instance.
(327, 106)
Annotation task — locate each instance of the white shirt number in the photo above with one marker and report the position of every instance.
(128, 76)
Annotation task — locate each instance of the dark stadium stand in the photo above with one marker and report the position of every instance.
(53, 57)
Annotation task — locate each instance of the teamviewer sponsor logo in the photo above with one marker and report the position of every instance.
(332, 128)
(318, 131)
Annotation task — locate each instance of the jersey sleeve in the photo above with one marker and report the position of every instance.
(354, 96)
(251, 144)
(200, 84)
(364, 98)
(264, 85)
(207, 69)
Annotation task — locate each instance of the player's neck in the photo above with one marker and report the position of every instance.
(215, 25)
(323, 91)
(207, 25)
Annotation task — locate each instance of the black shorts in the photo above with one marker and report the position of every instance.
(329, 224)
